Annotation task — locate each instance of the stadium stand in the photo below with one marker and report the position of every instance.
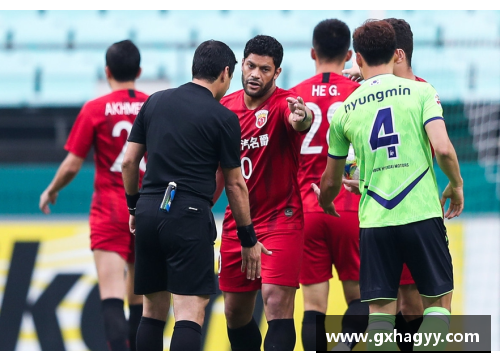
(52, 62)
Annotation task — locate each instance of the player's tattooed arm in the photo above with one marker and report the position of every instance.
(301, 116)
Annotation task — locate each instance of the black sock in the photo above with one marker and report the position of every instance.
(115, 324)
(415, 324)
(186, 336)
(246, 338)
(355, 319)
(280, 335)
(310, 330)
(133, 323)
(403, 327)
(150, 335)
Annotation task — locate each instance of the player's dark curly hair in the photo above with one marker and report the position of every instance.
(376, 41)
(123, 60)
(404, 36)
(331, 39)
(265, 46)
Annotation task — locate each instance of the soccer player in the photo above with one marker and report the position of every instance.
(271, 120)
(390, 121)
(328, 240)
(410, 305)
(105, 123)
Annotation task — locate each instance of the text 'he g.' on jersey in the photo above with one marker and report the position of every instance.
(269, 162)
(105, 123)
(323, 94)
(384, 120)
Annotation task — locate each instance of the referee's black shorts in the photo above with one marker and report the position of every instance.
(174, 251)
(422, 245)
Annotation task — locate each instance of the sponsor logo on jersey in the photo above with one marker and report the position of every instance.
(261, 118)
(288, 212)
(436, 98)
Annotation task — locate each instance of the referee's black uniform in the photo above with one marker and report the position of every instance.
(187, 133)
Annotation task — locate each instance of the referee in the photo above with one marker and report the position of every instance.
(187, 133)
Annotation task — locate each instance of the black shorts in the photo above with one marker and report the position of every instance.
(174, 251)
(422, 245)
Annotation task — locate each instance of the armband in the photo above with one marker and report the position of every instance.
(132, 202)
(247, 236)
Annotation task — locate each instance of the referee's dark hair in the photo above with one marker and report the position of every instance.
(265, 45)
(375, 40)
(404, 36)
(331, 39)
(211, 58)
(123, 60)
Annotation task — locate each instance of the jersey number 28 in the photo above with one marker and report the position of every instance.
(306, 148)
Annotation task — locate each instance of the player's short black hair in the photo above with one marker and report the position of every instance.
(265, 45)
(375, 40)
(123, 60)
(331, 39)
(404, 36)
(210, 59)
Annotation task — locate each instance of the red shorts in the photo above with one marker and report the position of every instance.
(280, 268)
(113, 236)
(330, 240)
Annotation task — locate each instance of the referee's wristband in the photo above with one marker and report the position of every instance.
(132, 202)
(247, 236)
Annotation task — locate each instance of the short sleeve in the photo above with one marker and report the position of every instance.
(338, 143)
(432, 108)
(230, 143)
(138, 132)
(81, 137)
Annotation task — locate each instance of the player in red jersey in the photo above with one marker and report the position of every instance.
(410, 307)
(271, 120)
(105, 123)
(328, 240)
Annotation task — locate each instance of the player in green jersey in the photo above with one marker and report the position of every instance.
(389, 121)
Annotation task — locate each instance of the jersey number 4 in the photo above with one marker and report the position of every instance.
(117, 130)
(383, 134)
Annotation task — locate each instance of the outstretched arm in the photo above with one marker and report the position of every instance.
(301, 116)
(67, 171)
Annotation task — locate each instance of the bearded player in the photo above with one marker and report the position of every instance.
(271, 120)
(105, 123)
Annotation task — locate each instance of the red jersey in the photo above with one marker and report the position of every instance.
(323, 94)
(269, 162)
(105, 123)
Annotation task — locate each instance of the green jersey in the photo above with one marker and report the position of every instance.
(384, 120)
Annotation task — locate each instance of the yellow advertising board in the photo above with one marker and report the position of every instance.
(49, 297)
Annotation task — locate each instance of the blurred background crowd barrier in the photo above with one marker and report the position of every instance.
(51, 62)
